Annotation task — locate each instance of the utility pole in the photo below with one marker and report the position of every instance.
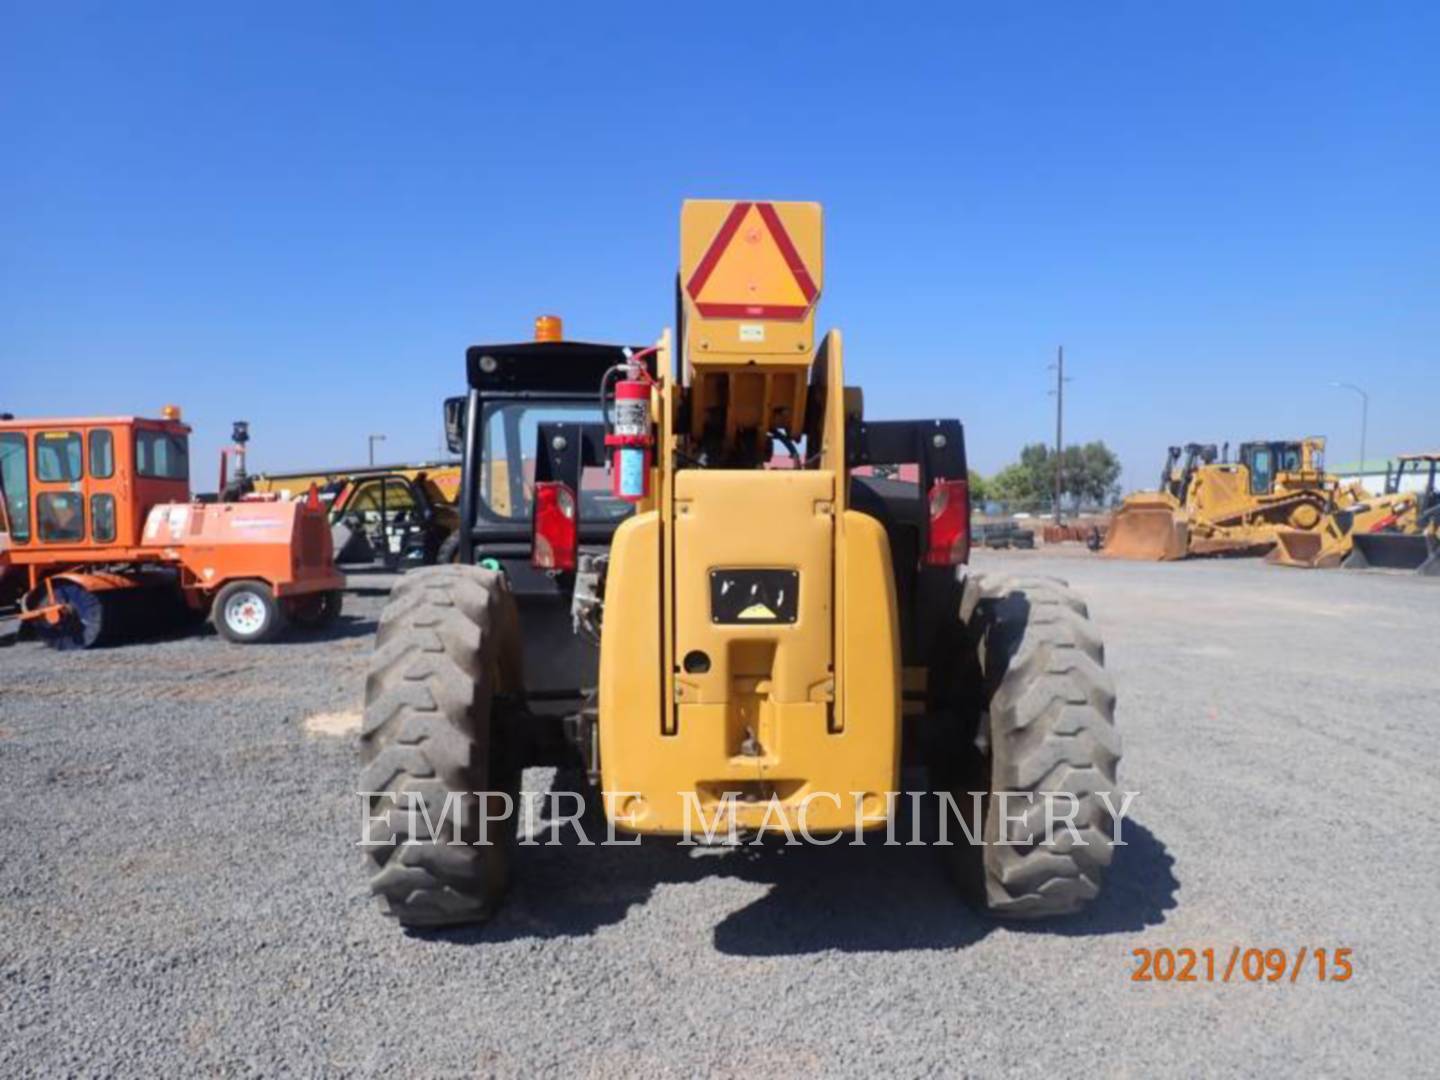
(373, 440)
(1059, 392)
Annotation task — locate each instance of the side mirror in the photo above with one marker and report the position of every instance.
(455, 424)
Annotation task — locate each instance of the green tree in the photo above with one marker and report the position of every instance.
(1016, 485)
(979, 489)
(1091, 476)
(1092, 473)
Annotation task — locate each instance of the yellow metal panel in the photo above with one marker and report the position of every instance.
(797, 758)
(867, 668)
(730, 245)
(631, 679)
(764, 520)
(827, 379)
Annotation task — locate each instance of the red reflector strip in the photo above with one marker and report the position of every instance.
(717, 247)
(787, 249)
(751, 311)
(556, 528)
(949, 540)
(788, 252)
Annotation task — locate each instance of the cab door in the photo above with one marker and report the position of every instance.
(385, 520)
(58, 494)
(15, 485)
(1262, 471)
(106, 494)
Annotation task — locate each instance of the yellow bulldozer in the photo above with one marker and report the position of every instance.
(710, 601)
(1274, 498)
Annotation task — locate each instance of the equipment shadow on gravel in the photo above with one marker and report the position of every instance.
(346, 626)
(869, 898)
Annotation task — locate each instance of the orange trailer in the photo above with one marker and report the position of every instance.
(100, 531)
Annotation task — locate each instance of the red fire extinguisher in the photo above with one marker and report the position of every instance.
(629, 438)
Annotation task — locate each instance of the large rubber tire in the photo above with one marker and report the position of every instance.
(448, 644)
(1047, 725)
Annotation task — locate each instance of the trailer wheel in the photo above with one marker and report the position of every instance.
(439, 769)
(247, 612)
(315, 610)
(1045, 724)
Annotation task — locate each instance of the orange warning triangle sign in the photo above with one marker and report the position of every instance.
(751, 269)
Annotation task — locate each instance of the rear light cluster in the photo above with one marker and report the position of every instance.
(556, 528)
(949, 540)
(557, 533)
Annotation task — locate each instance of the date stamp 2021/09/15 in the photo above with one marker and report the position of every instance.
(1241, 964)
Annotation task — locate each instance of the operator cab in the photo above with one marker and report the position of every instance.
(1267, 460)
(384, 519)
(532, 423)
(88, 483)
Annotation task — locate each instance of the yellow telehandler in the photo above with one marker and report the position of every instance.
(710, 634)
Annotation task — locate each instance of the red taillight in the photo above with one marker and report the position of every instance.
(556, 529)
(949, 543)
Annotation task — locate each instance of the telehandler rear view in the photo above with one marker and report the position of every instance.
(650, 596)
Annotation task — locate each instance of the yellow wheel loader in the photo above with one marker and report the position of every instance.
(1406, 540)
(1355, 514)
(690, 603)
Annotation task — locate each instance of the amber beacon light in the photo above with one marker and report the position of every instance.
(548, 328)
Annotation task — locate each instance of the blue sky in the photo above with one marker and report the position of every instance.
(301, 214)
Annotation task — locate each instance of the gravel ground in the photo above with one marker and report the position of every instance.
(180, 893)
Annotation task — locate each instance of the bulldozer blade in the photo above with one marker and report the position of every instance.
(1146, 533)
(1231, 547)
(1297, 547)
(1393, 551)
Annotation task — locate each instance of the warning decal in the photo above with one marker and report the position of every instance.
(752, 270)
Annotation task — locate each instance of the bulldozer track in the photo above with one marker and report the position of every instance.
(1266, 511)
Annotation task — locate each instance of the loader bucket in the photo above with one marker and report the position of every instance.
(1146, 533)
(1392, 551)
(1298, 547)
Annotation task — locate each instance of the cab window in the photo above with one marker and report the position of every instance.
(160, 455)
(393, 498)
(507, 463)
(58, 457)
(395, 495)
(1262, 471)
(102, 518)
(60, 516)
(102, 454)
(15, 481)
